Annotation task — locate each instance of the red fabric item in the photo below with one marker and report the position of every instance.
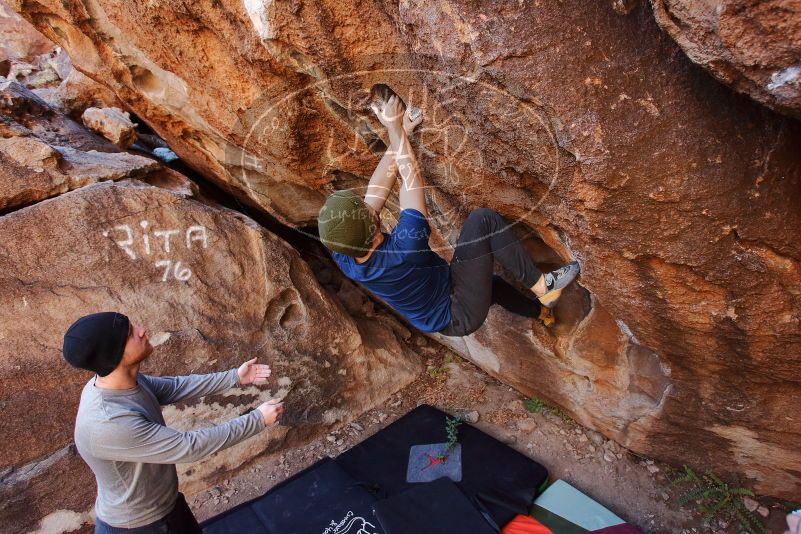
(523, 524)
(618, 529)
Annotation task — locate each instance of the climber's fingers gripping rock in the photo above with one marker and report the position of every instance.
(390, 113)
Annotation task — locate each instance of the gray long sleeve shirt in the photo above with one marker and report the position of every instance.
(122, 436)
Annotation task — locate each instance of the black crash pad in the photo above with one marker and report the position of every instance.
(323, 499)
(436, 507)
(492, 472)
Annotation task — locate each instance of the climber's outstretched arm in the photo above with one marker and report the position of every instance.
(382, 181)
(400, 156)
(412, 191)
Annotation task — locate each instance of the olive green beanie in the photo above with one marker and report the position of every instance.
(346, 224)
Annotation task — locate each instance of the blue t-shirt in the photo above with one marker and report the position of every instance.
(406, 274)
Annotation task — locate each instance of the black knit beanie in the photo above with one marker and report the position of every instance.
(96, 342)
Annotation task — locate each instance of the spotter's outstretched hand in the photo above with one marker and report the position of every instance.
(251, 372)
(271, 411)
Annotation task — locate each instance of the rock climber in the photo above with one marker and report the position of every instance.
(401, 268)
(120, 431)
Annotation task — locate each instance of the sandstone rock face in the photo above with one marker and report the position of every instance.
(584, 122)
(38, 154)
(77, 92)
(28, 57)
(21, 41)
(754, 46)
(112, 123)
(213, 288)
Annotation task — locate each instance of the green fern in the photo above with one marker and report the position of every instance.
(691, 495)
(452, 432)
(688, 476)
(716, 499)
(711, 511)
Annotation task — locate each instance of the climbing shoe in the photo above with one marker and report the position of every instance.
(556, 281)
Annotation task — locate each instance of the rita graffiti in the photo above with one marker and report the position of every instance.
(160, 245)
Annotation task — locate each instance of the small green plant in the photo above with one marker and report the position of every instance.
(452, 431)
(558, 412)
(717, 500)
(441, 372)
(535, 405)
(438, 373)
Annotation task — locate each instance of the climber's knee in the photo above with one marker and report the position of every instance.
(482, 214)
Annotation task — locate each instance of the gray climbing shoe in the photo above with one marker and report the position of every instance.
(556, 281)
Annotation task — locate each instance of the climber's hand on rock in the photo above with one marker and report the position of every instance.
(411, 118)
(390, 114)
(271, 411)
(251, 372)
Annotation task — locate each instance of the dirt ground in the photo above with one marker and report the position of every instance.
(635, 488)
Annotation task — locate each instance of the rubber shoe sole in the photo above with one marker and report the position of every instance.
(550, 298)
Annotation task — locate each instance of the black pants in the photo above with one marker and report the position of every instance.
(486, 236)
(179, 521)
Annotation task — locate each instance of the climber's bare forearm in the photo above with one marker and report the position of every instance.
(382, 181)
(412, 191)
